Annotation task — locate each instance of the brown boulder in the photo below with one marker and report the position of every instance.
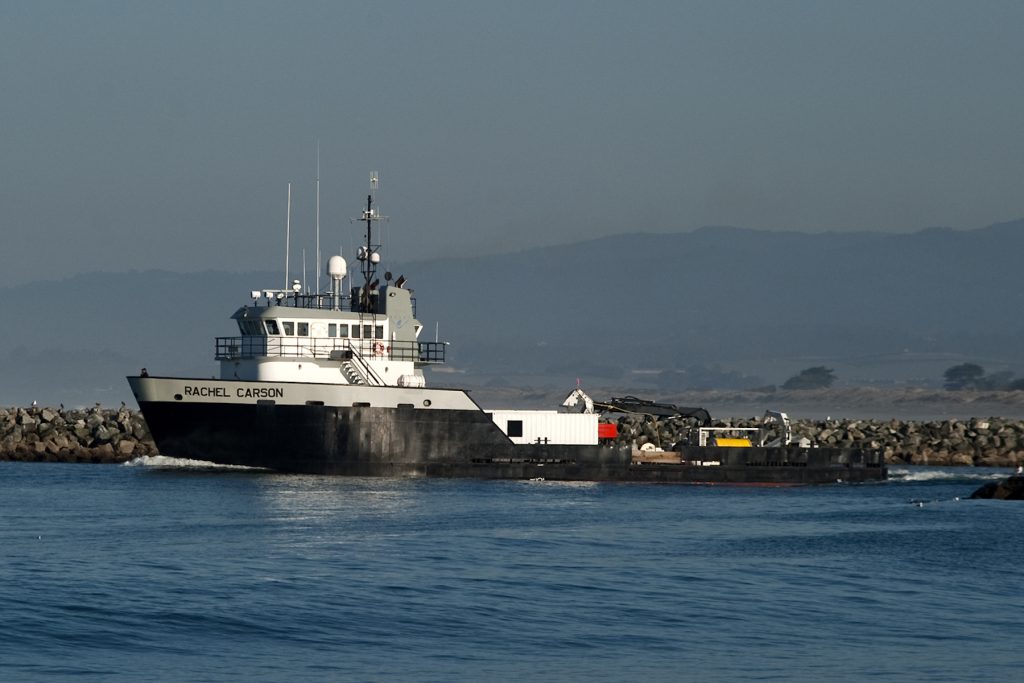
(1011, 488)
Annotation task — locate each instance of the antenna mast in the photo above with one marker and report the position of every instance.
(318, 218)
(369, 254)
(288, 237)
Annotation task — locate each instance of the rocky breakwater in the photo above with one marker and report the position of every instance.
(96, 435)
(988, 442)
(101, 435)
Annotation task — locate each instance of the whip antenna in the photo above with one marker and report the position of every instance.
(318, 219)
(288, 237)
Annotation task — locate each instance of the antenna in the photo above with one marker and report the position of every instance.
(304, 270)
(369, 253)
(288, 237)
(318, 217)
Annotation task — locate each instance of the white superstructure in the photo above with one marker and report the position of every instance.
(367, 335)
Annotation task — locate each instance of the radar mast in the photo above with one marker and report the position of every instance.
(369, 254)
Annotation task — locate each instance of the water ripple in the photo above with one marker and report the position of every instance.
(184, 573)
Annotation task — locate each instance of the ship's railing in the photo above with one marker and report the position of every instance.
(431, 352)
(323, 302)
(247, 347)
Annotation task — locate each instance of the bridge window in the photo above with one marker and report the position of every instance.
(251, 328)
(289, 327)
(332, 329)
(342, 330)
(367, 331)
(514, 428)
(303, 329)
(378, 332)
(355, 331)
(272, 327)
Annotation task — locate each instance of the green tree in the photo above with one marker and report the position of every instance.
(818, 377)
(963, 376)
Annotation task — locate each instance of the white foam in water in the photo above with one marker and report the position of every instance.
(165, 462)
(559, 482)
(941, 474)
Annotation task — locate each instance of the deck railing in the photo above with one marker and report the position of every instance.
(323, 302)
(247, 347)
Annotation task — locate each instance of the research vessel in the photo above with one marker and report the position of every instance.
(332, 382)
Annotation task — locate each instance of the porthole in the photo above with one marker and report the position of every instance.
(426, 402)
(177, 397)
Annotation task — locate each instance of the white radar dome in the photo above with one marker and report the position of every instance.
(336, 267)
(374, 257)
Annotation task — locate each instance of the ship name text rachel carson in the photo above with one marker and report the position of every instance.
(241, 392)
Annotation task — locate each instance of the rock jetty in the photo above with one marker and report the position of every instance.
(94, 435)
(985, 442)
(117, 435)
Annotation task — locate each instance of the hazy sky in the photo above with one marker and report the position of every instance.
(143, 135)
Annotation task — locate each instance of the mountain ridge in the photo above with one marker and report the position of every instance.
(738, 304)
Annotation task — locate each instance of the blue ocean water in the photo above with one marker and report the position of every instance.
(166, 571)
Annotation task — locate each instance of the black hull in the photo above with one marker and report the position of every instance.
(374, 441)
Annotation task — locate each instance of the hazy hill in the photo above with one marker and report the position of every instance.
(724, 306)
(74, 340)
(738, 298)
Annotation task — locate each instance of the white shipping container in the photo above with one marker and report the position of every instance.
(547, 426)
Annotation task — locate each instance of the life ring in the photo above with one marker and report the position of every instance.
(378, 349)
